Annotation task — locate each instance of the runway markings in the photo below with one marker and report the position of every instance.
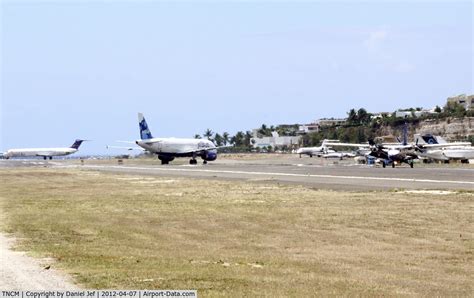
(163, 169)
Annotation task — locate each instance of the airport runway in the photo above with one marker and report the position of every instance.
(309, 172)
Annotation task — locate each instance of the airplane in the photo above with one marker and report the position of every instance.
(43, 152)
(388, 153)
(435, 147)
(393, 154)
(318, 151)
(339, 155)
(168, 149)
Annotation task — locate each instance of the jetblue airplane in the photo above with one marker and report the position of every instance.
(168, 149)
(43, 152)
(435, 147)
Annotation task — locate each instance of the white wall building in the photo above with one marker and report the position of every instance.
(275, 140)
(465, 100)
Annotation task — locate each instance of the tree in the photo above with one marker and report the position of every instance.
(454, 109)
(225, 138)
(208, 134)
(264, 131)
(363, 116)
(437, 109)
(352, 117)
(247, 138)
(219, 140)
(238, 139)
(197, 136)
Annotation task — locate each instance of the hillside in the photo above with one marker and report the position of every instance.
(451, 129)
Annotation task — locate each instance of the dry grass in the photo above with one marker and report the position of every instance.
(238, 238)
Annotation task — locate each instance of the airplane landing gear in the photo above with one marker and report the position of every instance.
(164, 162)
(192, 161)
(393, 164)
(204, 162)
(411, 164)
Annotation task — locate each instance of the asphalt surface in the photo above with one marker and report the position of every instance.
(313, 172)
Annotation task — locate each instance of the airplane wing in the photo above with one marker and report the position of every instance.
(347, 145)
(126, 142)
(124, 148)
(458, 144)
(201, 150)
(397, 147)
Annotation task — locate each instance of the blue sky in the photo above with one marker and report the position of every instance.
(84, 69)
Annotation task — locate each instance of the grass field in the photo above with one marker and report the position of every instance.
(239, 238)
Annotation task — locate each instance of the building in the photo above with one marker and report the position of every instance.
(465, 100)
(406, 114)
(308, 128)
(380, 115)
(275, 141)
(331, 122)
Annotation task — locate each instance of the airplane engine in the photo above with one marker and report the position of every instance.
(165, 158)
(209, 155)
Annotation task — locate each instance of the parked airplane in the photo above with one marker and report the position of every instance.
(318, 151)
(339, 155)
(393, 154)
(435, 147)
(388, 153)
(44, 152)
(168, 149)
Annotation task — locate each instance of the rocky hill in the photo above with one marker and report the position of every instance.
(451, 129)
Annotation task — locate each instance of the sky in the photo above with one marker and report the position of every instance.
(83, 69)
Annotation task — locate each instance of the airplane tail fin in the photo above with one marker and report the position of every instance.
(418, 139)
(145, 133)
(440, 140)
(76, 144)
(429, 139)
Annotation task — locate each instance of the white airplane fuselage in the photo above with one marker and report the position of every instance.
(448, 153)
(43, 152)
(311, 150)
(176, 146)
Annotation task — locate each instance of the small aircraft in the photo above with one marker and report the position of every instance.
(435, 147)
(393, 154)
(168, 149)
(43, 152)
(339, 155)
(387, 153)
(317, 151)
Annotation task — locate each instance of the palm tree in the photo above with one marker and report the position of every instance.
(197, 136)
(247, 138)
(225, 137)
(208, 134)
(238, 139)
(218, 139)
(352, 117)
